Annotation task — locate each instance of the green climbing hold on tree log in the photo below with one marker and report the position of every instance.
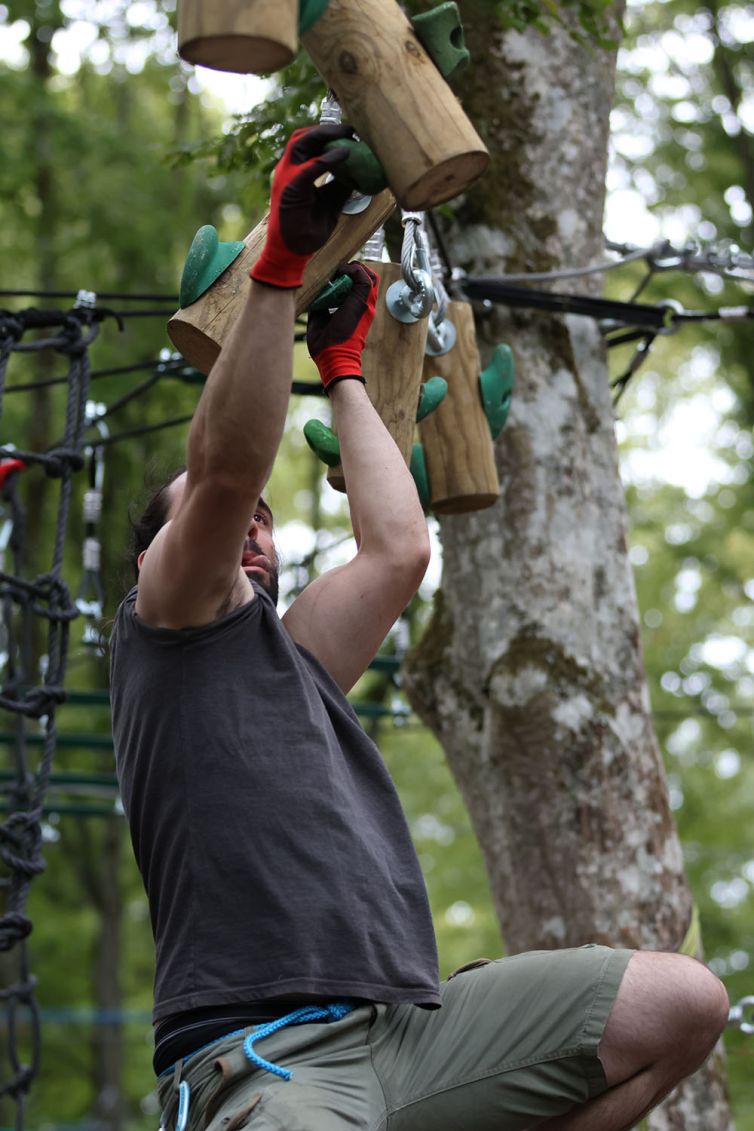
(431, 394)
(323, 442)
(418, 468)
(496, 386)
(206, 260)
(309, 12)
(441, 34)
(361, 171)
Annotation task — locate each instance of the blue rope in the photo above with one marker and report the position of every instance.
(300, 1016)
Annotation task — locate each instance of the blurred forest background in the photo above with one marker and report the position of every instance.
(112, 155)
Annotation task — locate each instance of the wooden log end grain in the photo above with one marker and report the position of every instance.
(240, 54)
(243, 36)
(445, 180)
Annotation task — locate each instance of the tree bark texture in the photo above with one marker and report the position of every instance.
(530, 672)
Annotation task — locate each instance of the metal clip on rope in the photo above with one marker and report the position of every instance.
(414, 298)
(441, 333)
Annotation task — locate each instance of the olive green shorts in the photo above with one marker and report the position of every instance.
(514, 1043)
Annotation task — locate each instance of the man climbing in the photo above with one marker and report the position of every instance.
(296, 977)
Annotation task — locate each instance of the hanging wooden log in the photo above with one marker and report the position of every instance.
(392, 365)
(246, 36)
(395, 97)
(458, 447)
(199, 330)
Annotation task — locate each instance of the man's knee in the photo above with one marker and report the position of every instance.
(669, 1009)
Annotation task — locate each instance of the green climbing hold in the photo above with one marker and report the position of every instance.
(496, 385)
(361, 171)
(418, 468)
(440, 32)
(323, 442)
(205, 262)
(431, 394)
(309, 12)
(333, 294)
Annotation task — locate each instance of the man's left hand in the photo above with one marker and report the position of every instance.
(336, 341)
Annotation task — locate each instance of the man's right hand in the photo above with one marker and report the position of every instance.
(302, 215)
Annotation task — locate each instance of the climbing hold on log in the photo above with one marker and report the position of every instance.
(441, 34)
(323, 442)
(431, 394)
(361, 171)
(206, 260)
(199, 331)
(418, 468)
(250, 38)
(309, 13)
(496, 385)
(333, 294)
(456, 438)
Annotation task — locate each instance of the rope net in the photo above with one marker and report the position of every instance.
(29, 692)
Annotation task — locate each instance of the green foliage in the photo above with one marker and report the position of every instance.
(465, 920)
(593, 17)
(253, 142)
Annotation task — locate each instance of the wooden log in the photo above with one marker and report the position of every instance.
(394, 96)
(456, 437)
(246, 36)
(392, 366)
(199, 330)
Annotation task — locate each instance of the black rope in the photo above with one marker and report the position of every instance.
(159, 313)
(67, 320)
(23, 693)
(661, 317)
(173, 368)
(133, 433)
(109, 295)
(641, 353)
(299, 388)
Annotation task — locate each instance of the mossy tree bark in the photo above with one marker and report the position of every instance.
(530, 672)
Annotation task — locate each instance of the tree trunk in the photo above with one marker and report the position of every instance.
(530, 672)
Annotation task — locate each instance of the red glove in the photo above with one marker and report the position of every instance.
(336, 341)
(302, 217)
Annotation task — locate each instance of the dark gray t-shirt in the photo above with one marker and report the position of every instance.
(269, 835)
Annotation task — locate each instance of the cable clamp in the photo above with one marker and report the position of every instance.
(670, 323)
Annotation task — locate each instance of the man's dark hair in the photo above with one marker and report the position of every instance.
(152, 518)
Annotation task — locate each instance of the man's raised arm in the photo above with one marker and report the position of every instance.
(344, 616)
(191, 572)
